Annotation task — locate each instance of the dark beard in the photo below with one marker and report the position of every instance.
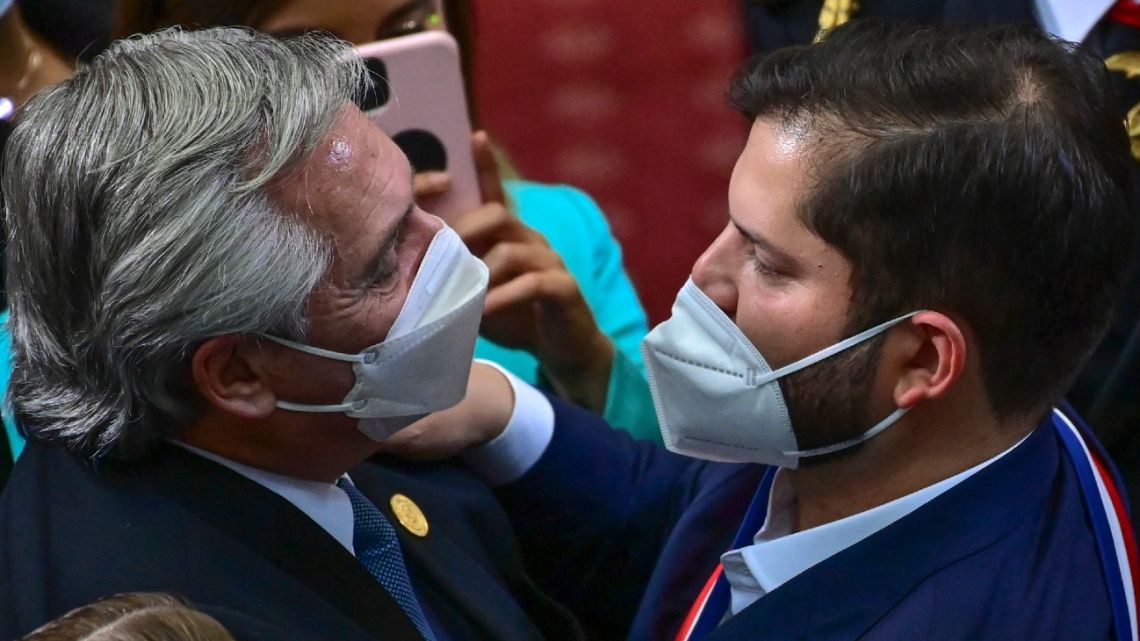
(828, 401)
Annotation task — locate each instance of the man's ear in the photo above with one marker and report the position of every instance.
(937, 358)
(228, 376)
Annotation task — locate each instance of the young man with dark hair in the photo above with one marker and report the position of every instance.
(928, 231)
(1104, 390)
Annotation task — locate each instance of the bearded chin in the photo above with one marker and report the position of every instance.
(829, 402)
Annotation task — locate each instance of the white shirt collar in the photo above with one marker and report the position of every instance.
(325, 503)
(1071, 20)
(777, 555)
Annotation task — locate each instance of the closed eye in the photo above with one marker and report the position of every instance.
(760, 265)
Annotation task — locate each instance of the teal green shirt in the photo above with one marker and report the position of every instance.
(14, 439)
(579, 233)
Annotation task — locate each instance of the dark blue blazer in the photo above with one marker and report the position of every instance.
(71, 533)
(626, 533)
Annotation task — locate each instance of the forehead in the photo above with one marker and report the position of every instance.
(770, 178)
(354, 174)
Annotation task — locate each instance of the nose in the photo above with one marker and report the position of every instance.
(715, 272)
(423, 227)
(431, 222)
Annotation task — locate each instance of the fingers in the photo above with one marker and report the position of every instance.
(482, 228)
(555, 289)
(507, 261)
(487, 169)
(430, 183)
(420, 440)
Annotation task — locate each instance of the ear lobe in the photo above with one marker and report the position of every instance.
(227, 378)
(936, 364)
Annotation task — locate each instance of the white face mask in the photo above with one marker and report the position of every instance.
(422, 366)
(718, 399)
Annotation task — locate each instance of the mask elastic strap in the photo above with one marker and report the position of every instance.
(869, 434)
(317, 351)
(321, 409)
(325, 353)
(828, 352)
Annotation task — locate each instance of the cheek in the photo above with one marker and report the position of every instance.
(350, 321)
(772, 327)
(304, 378)
(788, 323)
(381, 315)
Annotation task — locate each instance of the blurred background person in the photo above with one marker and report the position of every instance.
(1105, 390)
(77, 29)
(135, 616)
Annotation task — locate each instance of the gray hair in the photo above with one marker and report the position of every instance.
(139, 224)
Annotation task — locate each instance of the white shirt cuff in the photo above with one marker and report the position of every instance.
(529, 430)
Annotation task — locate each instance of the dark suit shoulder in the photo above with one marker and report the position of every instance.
(72, 532)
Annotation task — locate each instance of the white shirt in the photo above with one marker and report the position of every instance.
(777, 554)
(325, 503)
(1071, 20)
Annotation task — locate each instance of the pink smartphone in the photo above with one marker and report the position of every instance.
(417, 98)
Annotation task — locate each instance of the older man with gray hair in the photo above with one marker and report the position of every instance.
(223, 299)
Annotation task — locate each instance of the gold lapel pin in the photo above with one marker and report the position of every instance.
(409, 515)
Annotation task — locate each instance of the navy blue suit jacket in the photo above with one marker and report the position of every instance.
(71, 533)
(626, 533)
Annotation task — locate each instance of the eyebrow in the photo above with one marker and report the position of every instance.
(766, 245)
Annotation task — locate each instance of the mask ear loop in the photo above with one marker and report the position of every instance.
(831, 351)
(842, 445)
(828, 352)
(322, 409)
(366, 357)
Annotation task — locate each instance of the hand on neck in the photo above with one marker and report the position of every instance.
(935, 441)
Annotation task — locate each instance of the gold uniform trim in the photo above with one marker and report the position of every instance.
(833, 14)
(1128, 63)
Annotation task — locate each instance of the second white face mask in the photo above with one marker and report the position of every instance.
(716, 396)
(422, 366)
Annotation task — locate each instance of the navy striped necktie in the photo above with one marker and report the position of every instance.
(378, 550)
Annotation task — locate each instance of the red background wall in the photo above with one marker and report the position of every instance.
(627, 101)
